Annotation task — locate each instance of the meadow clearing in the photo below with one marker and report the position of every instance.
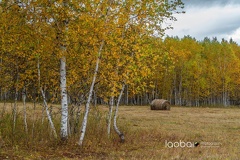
(149, 135)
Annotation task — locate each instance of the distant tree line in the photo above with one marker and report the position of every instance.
(185, 71)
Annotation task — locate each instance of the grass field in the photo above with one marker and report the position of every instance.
(149, 135)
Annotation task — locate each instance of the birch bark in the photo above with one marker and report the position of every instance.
(110, 114)
(45, 103)
(15, 107)
(64, 103)
(87, 107)
(49, 115)
(24, 109)
(120, 134)
(63, 81)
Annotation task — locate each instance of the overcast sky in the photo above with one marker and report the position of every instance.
(209, 18)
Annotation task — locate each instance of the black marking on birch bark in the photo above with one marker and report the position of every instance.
(122, 138)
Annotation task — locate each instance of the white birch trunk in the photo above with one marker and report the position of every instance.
(39, 86)
(24, 109)
(87, 107)
(175, 90)
(15, 103)
(120, 134)
(39, 76)
(64, 103)
(63, 81)
(48, 115)
(15, 110)
(110, 115)
(45, 102)
(180, 90)
(33, 124)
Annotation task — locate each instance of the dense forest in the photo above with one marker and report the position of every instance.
(185, 71)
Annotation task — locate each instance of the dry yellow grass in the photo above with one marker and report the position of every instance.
(218, 126)
(146, 133)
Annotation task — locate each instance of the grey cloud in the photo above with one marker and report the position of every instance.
(205, 18)
(225, 29)
(226, 26)
(199, 3)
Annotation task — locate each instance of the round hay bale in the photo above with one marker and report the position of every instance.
(160, 104)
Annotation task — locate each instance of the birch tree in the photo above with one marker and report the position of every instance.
(120, 134)
(24, 109)
(87, 107)
(48, 114)
(64, 103)
(106, 24)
